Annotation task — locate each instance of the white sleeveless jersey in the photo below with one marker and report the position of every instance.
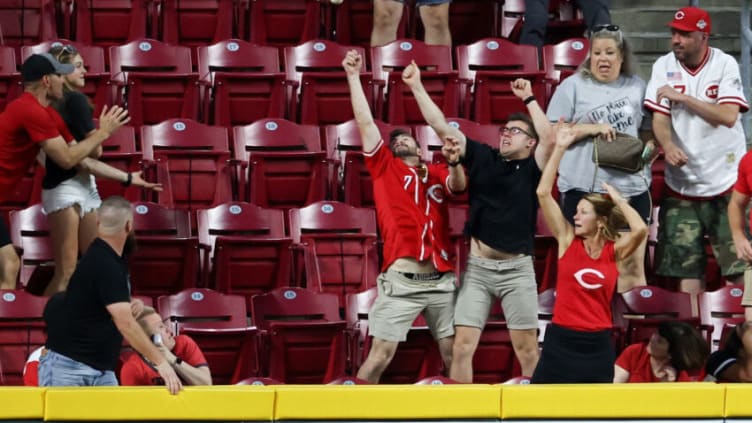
(713, 152)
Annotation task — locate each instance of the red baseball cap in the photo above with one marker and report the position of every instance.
(691, 19)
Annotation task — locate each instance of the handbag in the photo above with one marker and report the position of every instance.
(625, 153)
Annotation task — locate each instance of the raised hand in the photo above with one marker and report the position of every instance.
(411, 74)
(565, 133)
(352, 63)
(613, 193)
(112, 119)
(521, 88)
(138, 180)
(451, 149)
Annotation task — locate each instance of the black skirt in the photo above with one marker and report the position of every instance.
(572, 356)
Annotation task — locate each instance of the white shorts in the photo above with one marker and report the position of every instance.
(79, 190)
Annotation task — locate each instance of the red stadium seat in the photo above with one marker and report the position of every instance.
(562, 60)
(195, 160)
(350, 179)
(354, 21)
(250, 253)
(10, 79)
(111, 22)
(119, 151)
(158, 81)
(431, 143)
(98, 87)
(324, 96)
(338, 244)
(29, 232)
(348, 380)
(285, 164)
(27, 192)
(494, 360)
(167, 258)
(284, 23)
(244, 80)
(546, 301)
(436, 380)
(25, 22)
(259, 381)
(417, 358)
(457, 218)
(564, 21)
(492, 63)
(22, 330)
(469, 20)
(545, 255)
(218, 324)
(720, 308)
(197, 22)
(441, 82)
(302, 335)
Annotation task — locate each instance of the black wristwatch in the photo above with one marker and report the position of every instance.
(178, 361)
(453, 164)
(127, 182)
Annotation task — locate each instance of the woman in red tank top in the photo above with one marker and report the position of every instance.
(577, 347)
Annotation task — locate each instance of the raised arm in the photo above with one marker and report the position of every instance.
(638, 230)
(523, 90)
(103, 170)
(557, 223)
(430, 111)
(369, 132)
(69, 156)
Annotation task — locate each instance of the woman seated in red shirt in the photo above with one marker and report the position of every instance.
(675, 353)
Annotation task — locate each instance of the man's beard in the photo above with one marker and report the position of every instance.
(130, 245)
(402, 153)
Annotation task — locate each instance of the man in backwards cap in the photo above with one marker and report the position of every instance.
(30, 123)
(696, 94)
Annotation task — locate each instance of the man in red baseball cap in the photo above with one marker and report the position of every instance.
(696, 95)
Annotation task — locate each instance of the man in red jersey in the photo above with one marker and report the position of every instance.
(30, 123)
(411, 205)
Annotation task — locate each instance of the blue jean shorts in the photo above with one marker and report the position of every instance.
(58, 370)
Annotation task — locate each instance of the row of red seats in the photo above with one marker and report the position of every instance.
(273, 22)
(299, 336)
(238, 82)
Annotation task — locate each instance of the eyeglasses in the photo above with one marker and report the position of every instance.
(515, 130)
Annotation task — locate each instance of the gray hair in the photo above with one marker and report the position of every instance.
(627, 66)
(113, 214)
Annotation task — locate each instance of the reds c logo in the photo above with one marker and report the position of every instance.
(578, 276)
(712, 91)
(436, 193)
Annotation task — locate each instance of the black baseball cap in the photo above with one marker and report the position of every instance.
(39, 65)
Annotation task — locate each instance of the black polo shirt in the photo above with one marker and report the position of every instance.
(79, 325)
(503, 203)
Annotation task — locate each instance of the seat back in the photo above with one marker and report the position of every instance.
(324, 95)
(647, 306)
(562, 60)
(27, 22)
(720, 308)
(416, 358)
(350, 180)
(197, 22)
(280, 23)
(250, 253)
(397, 55)
(203, 308)
(111, 22)
(119, 151)
(167, 258)
(10, 79)
(22, 330)
(195, 157)
(29, 230)
(431, 143)
(495, 54)
(354, 21)
(304, 340)
(469, 20)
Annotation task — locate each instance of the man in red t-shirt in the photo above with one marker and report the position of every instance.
(737, 207)
(180, 351)
(30, 123)
(411, 205)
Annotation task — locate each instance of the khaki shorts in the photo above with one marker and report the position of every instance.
(682, 225)
(401, 300)
(747, 297)
(511, 280)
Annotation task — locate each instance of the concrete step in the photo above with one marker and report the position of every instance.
(657, 42)
(725, 20)
(676, 4)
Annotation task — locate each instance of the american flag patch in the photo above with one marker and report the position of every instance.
(674, 76)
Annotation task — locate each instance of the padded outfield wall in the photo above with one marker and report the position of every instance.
(678, 402)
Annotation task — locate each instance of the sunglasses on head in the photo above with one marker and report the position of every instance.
(606, 27)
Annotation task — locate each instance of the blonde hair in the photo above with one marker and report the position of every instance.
(606, 210)
(627, 65)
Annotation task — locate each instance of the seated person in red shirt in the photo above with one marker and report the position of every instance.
(675, 353)
(733, 362)
(180, 351)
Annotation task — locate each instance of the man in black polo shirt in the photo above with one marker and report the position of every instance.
(503, 210)
(87, 323)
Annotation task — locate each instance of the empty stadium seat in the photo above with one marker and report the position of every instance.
(25, 22)
(337, 244)
(564, 20)
(354, 21)
(192, 162)
(283, 23)
(562, 60)
(244, 81)
(416, 358)
(22, 330)
(218, 324)
(111, 22)
(157, 81)
(249, 252)
(469, 20)
(494, 360)
(492, 63)
(302, 335)
(29, 232)
(439, 79)
(431, 143)
(196, 22)
(720, 308)
(350, 180)
(98, 87)
(119, 151)
(10, 79)
(324, 95)
(167, 258)
(282, 164)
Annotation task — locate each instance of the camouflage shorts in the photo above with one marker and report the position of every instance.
(680, 251)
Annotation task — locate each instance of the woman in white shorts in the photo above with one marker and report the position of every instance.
(69, 196)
